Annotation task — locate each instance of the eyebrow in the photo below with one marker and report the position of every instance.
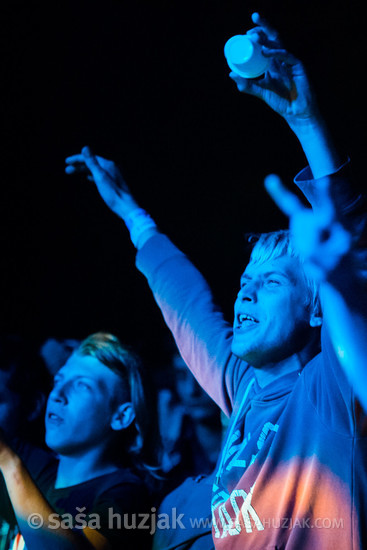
(61, 376)
(278, 273)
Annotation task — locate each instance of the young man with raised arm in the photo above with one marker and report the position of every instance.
(292, 469)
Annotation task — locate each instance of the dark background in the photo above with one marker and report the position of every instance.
(146, 84)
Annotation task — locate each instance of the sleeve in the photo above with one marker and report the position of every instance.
(345, 192)
(198, 326)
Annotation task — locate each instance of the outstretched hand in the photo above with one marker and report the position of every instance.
(108, 179)
(285, 86)
(319, 237)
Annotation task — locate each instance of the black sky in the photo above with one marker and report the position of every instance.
(146, 83)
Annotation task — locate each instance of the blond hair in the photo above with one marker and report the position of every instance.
(269, 246)
(143, 443)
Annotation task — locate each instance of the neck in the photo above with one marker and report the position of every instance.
(76, 469)
(265, 374)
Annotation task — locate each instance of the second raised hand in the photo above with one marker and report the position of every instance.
(319, 237)
(108, 179)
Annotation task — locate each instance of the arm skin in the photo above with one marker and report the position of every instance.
(27, 499)
(321, 238)
(286, 89)
(110, 184)
(181, 292)
(331, 259)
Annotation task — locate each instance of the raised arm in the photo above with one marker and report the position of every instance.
(286, 89)
(178, 287)
(39, 524)
(115, 193)
(332, 259)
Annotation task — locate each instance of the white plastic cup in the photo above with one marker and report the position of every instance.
(244, 56)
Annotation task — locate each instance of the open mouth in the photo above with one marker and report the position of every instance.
(53, 418)
(244, 319)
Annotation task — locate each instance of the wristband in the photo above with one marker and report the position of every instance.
(137, 222)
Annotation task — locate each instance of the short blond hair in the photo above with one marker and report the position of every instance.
(269, 246)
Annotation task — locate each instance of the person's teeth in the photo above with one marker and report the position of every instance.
(245, 317)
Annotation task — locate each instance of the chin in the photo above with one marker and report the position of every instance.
(51, 445)
(54, 444)
(246, 357)
(241, 351)
(254, 357)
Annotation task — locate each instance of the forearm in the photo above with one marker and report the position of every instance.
(28, 502)
(140, 225)
(318, 146)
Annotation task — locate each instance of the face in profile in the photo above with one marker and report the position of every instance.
(272, 319)
(81, 408)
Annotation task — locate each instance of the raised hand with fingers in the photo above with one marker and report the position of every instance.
(108, 179)
(318, 235)
(285, 86)
(115, 193)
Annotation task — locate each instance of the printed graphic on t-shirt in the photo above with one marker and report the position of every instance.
(238, 455)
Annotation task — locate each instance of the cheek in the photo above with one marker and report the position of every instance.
(287, 317)
(96, 416)
(301, 311)
(293, 306)
(83, 413)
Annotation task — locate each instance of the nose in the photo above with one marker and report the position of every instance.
(58, 395)
(248, 293)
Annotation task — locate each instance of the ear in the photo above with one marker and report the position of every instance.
(315, 319)
(123, 416)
